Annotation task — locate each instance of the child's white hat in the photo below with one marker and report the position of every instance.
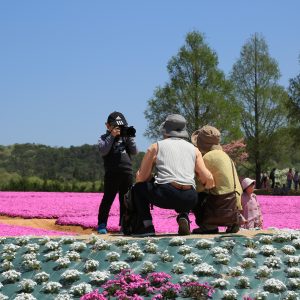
(247, 182)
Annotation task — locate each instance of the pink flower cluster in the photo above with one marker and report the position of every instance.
(130, 286)
(82, 209)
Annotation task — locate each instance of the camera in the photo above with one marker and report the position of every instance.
(126, 131)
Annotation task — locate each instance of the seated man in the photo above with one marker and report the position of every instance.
(176, 161)
(207, 139)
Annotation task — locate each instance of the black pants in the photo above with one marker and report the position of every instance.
(113, 183)
(164, 196)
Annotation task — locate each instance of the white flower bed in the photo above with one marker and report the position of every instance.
(52, 287)
(192, 259)
(177, 241)
(27, 285)
(204, 269)
(41, 277)
(118, 266)
(204, 244)
(99, 277)
(274, 286)
(91, 265)
(230, 295)
(70, 275)
(11, 276)
(80, 289)
(148, 267)
(178, 268)
(220, 283)
(263, 272)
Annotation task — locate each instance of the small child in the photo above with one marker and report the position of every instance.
(251, 208)
(116, 150)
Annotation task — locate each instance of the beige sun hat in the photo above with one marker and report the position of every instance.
(247, 182)
(207, 138)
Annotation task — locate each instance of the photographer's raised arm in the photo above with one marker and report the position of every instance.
(105, 142)
(203, 174)
(145, 171)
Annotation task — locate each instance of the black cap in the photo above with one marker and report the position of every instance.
(116, 119)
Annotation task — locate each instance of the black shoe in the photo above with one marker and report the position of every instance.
(144, 231)
(183, 225)
(200, 231)
(233, 229)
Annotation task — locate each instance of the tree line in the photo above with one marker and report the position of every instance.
(35, 167)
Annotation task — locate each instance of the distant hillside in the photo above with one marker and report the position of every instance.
(38, 167)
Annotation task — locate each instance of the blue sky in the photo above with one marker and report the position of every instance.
(66, 64)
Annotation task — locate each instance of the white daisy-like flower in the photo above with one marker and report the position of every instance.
(247, 263)
(29, 256)
(52, 287)
(263, 272)
(235, 271)
(150, 247)
(101, 244)
(204, 269)
(292, 260)
(91, 265)
(126, 247)
(78, 246)
(67, 240)
(266, 239)
(288, 249)
(11, 276)
(24, 296)
(21, 241)
(282, 237)
(166, 256)
(218, 250)
(243, 282)
(251, 253)
(177, 241)
(73, 255)
(53, 255)
(296, 243)
(112, 256)
(63, 296)
(63, 262)
(230, 295)
(121, 242)
(178, 268)
(192, 259)
(273, 262)
(204, 244)
(188, 278)
(135, 254)
(27, 285)
(80, 289)
(294, 283)
(220, 283)
(32, 248)
(70, 275)
(274, 286)
(293, 272)
(118, 266)
(41, 277)
(99, 276)
(228, 244)
(261, 295)
(31, 265)
(10, 248)
(291, 295)
(7, 265)
(8, 256)
(52, 245)
(148, 267)
(267, 250)
(185, 249)
(222, 258)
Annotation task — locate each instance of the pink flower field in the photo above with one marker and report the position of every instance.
(82, 209)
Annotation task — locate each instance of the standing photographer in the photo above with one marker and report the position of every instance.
(116, 147)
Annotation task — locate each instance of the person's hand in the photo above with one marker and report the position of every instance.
(115, 131)
(210, 183)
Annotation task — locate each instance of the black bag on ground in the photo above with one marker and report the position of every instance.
(130, 220)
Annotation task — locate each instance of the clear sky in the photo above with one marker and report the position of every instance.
(66, 64)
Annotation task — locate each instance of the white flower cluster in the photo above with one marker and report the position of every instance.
(93, 239)
(274, 286)
(7, 265)
(32, 248)
(73, 255)
(135, 252)
(220, 283)
(251, 253)
(188, 278)
(228, 244)
(112, 256)
(63, 262)
(70, 275)
(222, 258)
(247, 263)
(288, 249)
(63, 296)
(177, 241)
(27, 285)
(148, 267)
(41, 277)
(10, 248)
(296, 243)
(291, 295)
(293, 272)
(3, 297)
(230, 295)
(30, 262)
(78, 246)
(166, 256)
(53, 255)
(99, 277)
(23, 240)
(185, 249)
(294, 283)
(80, 289)
(101, 244)
(235, 271)
(267, 250)
(52, 245)
(118, 266)
(2, 240)
(91, 265)
(218, 250)
(204, 244)
(261, 295)
(263, 272)
(204, 269)
(121, 242)
(67, 240)
(24, 296)
(150, 247)
(292, 260)
(8, 256)
(266, 239)
(52, 287)
(273, 262)
(44, 240)
(282, 237)
(178, 268)
(192, 259)
(11, 276)
(243, 282)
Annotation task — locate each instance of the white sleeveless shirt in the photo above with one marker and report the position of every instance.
(175, 162)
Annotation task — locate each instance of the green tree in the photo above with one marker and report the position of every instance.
(255, 76)
(198, 90)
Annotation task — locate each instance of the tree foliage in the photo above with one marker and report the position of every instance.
(197, 89)
(255, 76)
